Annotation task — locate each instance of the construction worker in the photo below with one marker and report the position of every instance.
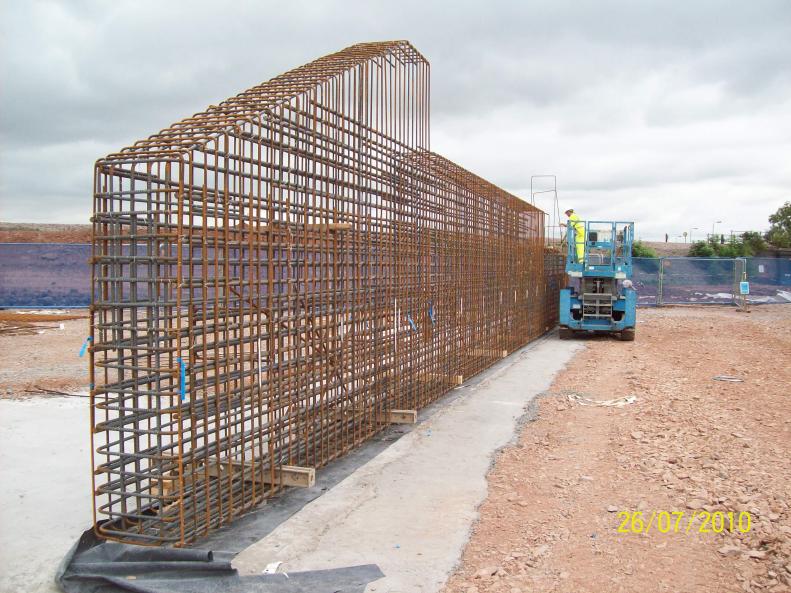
(579, 233)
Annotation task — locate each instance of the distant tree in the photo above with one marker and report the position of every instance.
(701, 249)
(640, 249)
(734, 248)
(714, 247)
(779, 233)
(754, 243)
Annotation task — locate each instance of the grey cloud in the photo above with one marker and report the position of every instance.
(618, 97)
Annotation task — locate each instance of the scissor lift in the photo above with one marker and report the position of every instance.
(600, 297)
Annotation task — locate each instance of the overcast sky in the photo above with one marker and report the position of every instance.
(672, 114)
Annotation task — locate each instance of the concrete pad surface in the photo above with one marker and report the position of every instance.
(410, 509)
(45, 488)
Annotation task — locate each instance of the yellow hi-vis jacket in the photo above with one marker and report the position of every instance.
(579, 235)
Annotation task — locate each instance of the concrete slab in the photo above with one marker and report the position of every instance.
(45, 489)
(410, 508)
(403, 501)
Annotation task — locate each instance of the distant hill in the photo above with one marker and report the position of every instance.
(23, 232)
(668, 249)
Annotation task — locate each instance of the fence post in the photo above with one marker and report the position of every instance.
(735, 288)
(739, 274)
(659, 297)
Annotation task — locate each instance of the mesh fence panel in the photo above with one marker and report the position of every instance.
(688, 281)
(43, 275)
(645, 272)
(770, 279)
(697, 280)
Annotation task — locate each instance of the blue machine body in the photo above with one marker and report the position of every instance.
(599, 296)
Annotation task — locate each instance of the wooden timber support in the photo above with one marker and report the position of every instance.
(401, 416)
(430, 377)
(285, 475)
(489, 353)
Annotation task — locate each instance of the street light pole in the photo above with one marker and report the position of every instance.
(716, 222)
(694, 228)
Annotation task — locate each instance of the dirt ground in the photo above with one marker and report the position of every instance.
(688, 444)
(40, 352)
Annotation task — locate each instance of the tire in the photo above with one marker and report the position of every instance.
(566, 333)
(627, 335)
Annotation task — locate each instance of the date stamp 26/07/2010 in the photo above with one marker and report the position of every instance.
(684, 522)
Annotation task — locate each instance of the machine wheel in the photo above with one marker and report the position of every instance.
(627, 335)
(566, 333)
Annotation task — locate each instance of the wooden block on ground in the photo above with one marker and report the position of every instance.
(485, 352)
(332, 226)
(169, 484)
(292, 475)
(286, 475)
(402, 416)
(431, 377)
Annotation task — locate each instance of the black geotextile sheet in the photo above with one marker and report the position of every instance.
(95, 566)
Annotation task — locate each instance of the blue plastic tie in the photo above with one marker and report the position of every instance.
(412, 323)
(182, 379)
(84, 348)
(431, 313)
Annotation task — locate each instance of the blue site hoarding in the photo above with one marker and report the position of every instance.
(58, 275)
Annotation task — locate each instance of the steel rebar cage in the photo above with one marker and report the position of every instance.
(276, 275)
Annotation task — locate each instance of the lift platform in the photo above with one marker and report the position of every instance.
(600, 296)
